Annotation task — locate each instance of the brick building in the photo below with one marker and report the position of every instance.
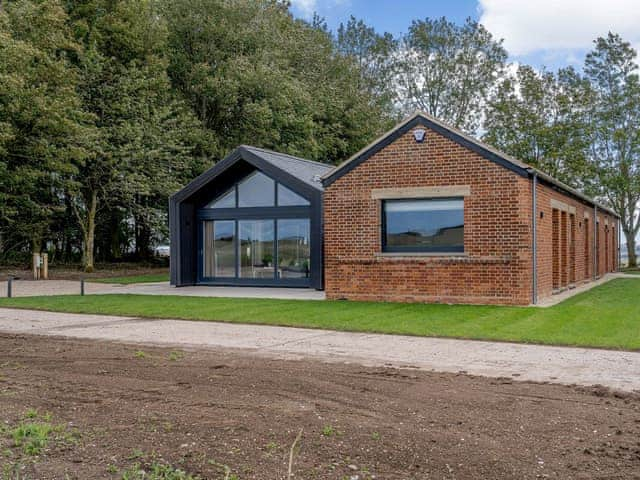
(429, 214)
(425, 213)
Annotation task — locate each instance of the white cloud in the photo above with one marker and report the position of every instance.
(558, 25)
(305, 7)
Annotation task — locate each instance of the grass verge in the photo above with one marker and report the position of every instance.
(607, 316)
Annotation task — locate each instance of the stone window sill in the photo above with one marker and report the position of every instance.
(421, 254)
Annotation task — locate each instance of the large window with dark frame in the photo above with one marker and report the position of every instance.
(258, 190)
(239, 244)
(423, 225)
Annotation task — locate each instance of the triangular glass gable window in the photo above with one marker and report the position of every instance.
(257, 190)
(289, 198)
(226, 200)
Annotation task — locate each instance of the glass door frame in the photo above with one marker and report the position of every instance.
(252, 213)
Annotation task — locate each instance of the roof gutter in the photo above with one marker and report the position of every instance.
(563, 186)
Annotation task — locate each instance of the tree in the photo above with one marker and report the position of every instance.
(542, 118)
(157, 137)
(613, 71)
(374, 55)
(42, 125)
(448, 70)
(255, 75)
(146, 139)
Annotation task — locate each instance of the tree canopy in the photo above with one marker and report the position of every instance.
(448, 70)
(109, 106)
(612, 69)
(543, 118)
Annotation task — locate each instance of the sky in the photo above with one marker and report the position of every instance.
(549, 33)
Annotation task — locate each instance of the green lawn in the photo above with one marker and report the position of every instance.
(127, 280)
(632, 271)
(607, 316)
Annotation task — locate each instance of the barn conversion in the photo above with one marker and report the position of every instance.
(425, 213)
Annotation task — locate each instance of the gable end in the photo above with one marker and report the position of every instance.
(406, 127)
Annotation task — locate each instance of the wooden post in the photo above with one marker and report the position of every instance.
(45, 266)
(36, 266)
(9, 287)
(82, 286)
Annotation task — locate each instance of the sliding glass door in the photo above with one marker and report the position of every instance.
(257, 259)
(256, 251)
(219, 253)
(293, 248)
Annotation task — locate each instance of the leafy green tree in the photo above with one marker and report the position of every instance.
(255, 75)
(542, 118)
(375, 56)
(42, 125)
(448, 70)
(147, 137)
(157, 137)
(613, 70)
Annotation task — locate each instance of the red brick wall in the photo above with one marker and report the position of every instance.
(584, 231)
(497, 264)
(496, 267)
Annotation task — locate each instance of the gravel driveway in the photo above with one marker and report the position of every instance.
(29, 288)
(615, 369)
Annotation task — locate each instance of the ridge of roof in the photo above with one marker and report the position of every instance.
(517, 164)
(304, 172)
(291, 157)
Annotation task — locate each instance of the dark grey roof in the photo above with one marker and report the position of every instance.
(293, 171)
(306, 170)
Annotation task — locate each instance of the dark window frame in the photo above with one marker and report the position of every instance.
(444, 250)
(276, 186)
(202, 235)
(236, 279)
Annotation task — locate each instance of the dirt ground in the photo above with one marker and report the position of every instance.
(202, 410)
(75, 273)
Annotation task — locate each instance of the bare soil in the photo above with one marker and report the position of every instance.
(76, 273)
(201, 410)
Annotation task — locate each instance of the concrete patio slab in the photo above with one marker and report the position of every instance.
(231, 292)
(614, 369)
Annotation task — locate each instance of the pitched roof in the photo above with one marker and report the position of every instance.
(483, 149)
(308, 171)
(294, 171)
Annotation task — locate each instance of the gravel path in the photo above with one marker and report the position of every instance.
(29, 288)
(614, 369)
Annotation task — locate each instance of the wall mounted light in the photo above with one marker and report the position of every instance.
(419, 134)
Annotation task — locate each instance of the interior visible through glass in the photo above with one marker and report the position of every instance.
(256, 248)
(293, 248)
(219, 249)
(244, 246)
